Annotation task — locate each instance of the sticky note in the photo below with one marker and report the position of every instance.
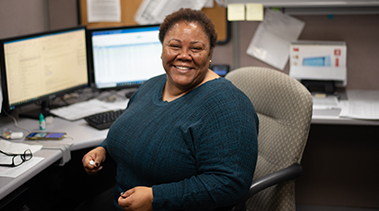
(236, 12)
(254, 12)
(320, 95)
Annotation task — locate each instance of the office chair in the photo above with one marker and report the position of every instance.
(284, 108)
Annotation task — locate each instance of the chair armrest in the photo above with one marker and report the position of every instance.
(292, 172)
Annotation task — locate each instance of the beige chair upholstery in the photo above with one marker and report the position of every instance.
(284, 108)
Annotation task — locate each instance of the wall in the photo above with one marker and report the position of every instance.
(360, 32)
(18, 17)
(62, 14)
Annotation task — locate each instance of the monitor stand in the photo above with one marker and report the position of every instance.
(34, 114)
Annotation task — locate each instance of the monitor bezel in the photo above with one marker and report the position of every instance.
(44, 100)
(90, 56)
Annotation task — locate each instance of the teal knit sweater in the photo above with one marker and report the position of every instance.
(197, 152)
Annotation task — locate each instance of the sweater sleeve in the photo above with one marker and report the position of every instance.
(225, 149)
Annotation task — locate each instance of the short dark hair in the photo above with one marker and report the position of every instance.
(190, 16)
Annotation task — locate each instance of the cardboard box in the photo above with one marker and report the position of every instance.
(319, 60)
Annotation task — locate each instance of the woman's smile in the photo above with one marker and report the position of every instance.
(185, 56)
(183, 69)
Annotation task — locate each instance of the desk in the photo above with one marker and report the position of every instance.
(339, 162)
(332, 117)
(84, 135)
(7, 184)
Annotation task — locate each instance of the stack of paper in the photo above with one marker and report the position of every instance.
(17, 148)
(325, 102)
(362, 104)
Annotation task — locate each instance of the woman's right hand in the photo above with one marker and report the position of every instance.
(93, 159)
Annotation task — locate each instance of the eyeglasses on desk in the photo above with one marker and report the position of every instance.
(17, 159)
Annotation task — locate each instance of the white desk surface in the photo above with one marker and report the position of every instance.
(332, 117)
(84, 137)
(7, 184)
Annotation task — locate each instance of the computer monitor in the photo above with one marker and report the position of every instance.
(38, 67)
(124, 57)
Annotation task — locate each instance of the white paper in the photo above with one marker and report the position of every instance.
(271, 42)
(80, 110)
(236, 12)
(362, 104)
(18, 148)
(17, 171)
(209, 4)
(325, 103)
(155, 11)
(103, 11)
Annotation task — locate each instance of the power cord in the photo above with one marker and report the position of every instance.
(15, 121)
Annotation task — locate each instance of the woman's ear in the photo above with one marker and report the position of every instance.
(210, 55)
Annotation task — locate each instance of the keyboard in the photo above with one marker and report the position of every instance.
(103, 120)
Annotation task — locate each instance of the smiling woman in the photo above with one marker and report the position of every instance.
(186, 57)
(187, 43)
(188, 138)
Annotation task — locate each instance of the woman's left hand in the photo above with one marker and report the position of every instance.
(137, 199)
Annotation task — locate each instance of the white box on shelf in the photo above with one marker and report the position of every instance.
(319, 60)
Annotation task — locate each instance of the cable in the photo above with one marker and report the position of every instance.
(15, 121)
(72, 138)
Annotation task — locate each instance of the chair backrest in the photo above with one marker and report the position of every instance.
(284, 108)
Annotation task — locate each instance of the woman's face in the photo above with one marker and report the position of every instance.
(186, 55)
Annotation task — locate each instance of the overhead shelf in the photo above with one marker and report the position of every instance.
(307, 3)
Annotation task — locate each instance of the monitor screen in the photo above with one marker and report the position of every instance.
(42, 66)
(125, 56)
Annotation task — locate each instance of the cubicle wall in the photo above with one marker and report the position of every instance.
(19, 17)
(360, 32)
